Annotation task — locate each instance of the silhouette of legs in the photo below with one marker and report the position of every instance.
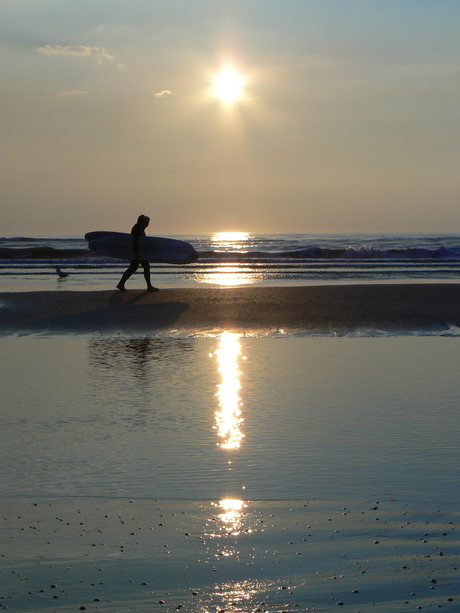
(134, 265)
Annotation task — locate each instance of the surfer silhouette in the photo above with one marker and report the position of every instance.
(137, 231)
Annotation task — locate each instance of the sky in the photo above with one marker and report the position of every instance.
(348, 117)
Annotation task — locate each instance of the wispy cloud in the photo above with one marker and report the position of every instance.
(162, 94)
(82, 51)
(71, 92)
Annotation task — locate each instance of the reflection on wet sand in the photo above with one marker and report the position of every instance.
(137, 354)
(237, 594)
(233, 523)
(232, 520)
(231, 516)
(230, 275)
(229, 523)
(228, 418)
(134, 376)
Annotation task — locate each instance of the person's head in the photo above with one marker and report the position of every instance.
(143, 221)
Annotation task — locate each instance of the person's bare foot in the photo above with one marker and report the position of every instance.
(153, 289)
(121, 287)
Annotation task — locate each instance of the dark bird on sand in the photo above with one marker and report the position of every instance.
(62, 275)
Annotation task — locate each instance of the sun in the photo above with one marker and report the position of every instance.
(227, 85)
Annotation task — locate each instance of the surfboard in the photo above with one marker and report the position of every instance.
(119, 245)
(92, 236)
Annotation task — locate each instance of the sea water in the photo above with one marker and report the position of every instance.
(238, 259)
(230, 416)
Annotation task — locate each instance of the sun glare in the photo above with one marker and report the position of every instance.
(227, 85)
(223, 237)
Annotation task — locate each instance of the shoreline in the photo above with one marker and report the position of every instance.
(316, 309)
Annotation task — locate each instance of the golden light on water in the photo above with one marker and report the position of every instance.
(230, 237)
(229, 276)
(239, 594)
(234, 520)
(232, 514)
(228, 418)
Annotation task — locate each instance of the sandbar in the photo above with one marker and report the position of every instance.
(334, 309)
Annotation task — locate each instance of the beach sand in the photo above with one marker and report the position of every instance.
(315, 309)
(139, 555)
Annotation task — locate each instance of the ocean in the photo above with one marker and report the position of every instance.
(238, 259)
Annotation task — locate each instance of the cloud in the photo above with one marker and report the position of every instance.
(71, 92)
(85, 51)
(162, 94)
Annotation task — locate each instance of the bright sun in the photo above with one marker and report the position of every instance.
(227, 85)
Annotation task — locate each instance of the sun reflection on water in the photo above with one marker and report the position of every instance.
(228, 418)
(230, 240)
(234, 523)
(232, 514)
(234, 273)
(236, 595)
(230, 276)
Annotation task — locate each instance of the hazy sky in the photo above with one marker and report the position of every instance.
(348, 118)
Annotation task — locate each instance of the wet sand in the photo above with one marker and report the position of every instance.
(139, 555)
(315, 309)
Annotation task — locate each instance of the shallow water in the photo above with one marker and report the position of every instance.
(248, 418)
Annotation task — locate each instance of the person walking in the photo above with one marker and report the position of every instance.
(137, 231)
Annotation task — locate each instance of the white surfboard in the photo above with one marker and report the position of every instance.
(119, 245)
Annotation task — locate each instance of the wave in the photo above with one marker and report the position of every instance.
(41, 253)
(372, 253)
(349, 254)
